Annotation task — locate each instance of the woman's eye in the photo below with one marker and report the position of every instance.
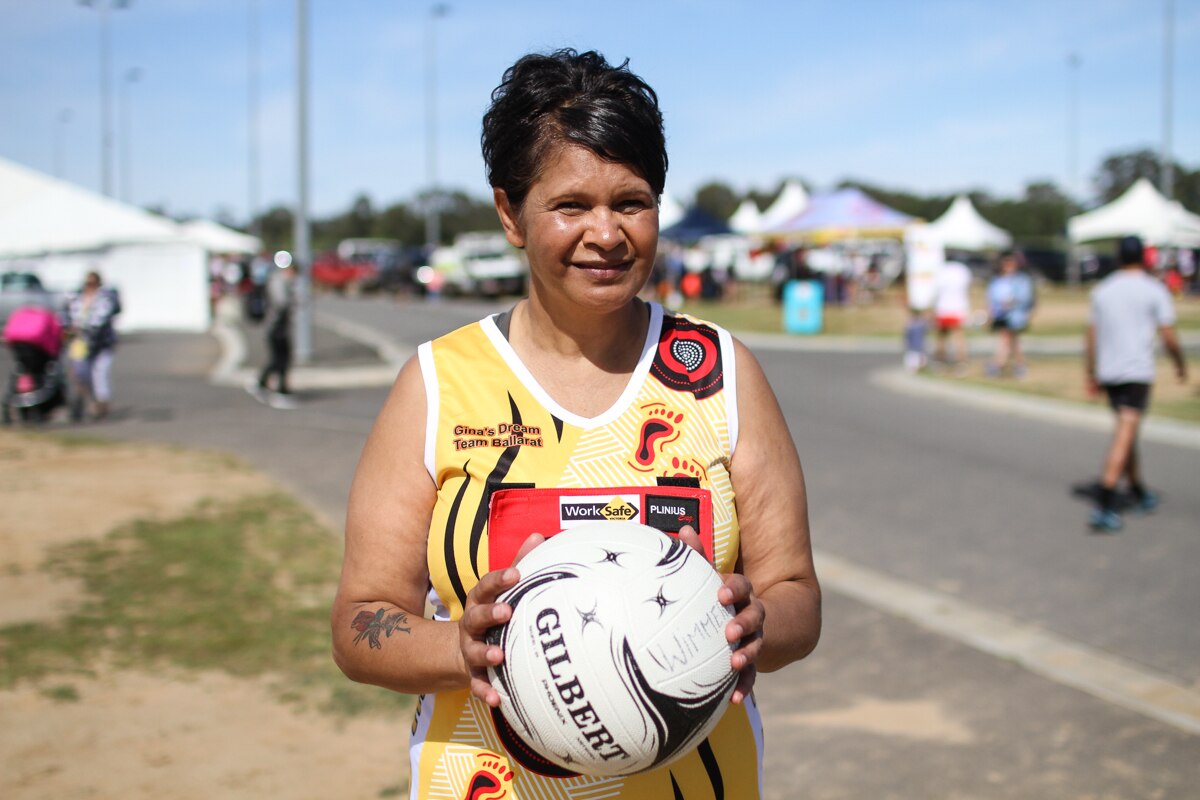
(570, 206)
(631, 206)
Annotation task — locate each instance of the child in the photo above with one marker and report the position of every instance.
(914, 340)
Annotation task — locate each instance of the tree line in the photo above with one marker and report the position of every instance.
(1036, 218)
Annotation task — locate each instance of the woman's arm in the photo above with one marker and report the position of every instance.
(380, 635)
(772, 509)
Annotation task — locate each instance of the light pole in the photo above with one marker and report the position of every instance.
(1168, 166)
(132, 76)
(433, 229)
(1073, 61)
(252, 117)
(60, 134)
(106, 136)
(301, 245)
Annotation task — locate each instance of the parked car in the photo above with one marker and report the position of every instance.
(481, 263)
(396, 269)
(330, 271)
(24, 289)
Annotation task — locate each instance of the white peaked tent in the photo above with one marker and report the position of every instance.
(670, 210)
(747, 219)
(218, 239)
(963, 228)
(1140, 211)
(40, 214)
(792, 201)
(60, 231)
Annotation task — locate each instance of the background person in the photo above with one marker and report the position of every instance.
(92, 339)
(1011, 298)
(1129, 308)
(951, 310)
(281, 298)
(576, 157)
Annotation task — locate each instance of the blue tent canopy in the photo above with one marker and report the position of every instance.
(695, 225)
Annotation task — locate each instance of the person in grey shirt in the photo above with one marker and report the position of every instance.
(1128, 310)
(281, 296)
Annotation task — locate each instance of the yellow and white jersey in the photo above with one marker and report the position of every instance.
(490, 426)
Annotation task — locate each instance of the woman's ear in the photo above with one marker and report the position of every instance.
(508, 218)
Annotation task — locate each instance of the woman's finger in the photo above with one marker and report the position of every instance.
(485, 691)
(531, 542)
(492, 585)
(744, 685)
(736, 590)
(478, 617)
(688, 535)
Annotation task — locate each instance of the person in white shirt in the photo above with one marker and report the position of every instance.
(1129, 308)
(951, 310)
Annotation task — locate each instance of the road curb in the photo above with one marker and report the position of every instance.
(1046, 409)
(1071, 663)
(230, 371)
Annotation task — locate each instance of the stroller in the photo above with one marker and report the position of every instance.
(37, 385)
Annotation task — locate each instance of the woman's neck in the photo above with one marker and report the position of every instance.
(610, 340)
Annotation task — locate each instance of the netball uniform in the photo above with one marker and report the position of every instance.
(491, 427)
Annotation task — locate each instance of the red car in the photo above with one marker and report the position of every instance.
(331, 272)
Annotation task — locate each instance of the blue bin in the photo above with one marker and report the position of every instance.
(803, 302)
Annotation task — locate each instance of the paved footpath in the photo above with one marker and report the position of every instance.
(889, 706)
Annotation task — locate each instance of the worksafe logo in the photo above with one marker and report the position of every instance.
(618, 510)
(612, 508)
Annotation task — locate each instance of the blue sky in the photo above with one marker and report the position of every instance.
(934, 96)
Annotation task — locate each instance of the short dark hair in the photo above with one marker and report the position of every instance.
(567, 97)
(1130, 251)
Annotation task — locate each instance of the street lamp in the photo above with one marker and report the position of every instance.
(1168, 165)
(60, 125)
(302, 248)
(1073, 62)
(106, 137)
(132, 76)
(433, 232)
(252, 47)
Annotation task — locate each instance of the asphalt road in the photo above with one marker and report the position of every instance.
(973, 507)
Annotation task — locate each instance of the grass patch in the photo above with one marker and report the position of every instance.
(1061, 377)
(62, 693)
(241, 587)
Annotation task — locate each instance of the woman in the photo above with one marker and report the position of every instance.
(619, 393)
(92, 337)
(1010, 297)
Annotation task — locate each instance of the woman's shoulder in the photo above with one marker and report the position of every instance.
(693, 354)
(468, 331)
(674, 319)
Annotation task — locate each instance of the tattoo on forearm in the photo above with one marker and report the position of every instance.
(370, 625)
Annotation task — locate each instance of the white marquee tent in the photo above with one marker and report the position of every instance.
(747, 219)
(670, 210)
(60, 231)
(792, 201)
(962, 227)
(40, 214)
(218, 239)
(1140, 211)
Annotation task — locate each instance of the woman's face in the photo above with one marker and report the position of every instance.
(589, 228)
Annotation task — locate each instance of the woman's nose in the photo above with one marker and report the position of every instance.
(604, 229)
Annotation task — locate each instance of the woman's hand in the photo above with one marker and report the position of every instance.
(482, 612)
(745, 629)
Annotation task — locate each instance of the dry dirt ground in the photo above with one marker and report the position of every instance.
(132, 735)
